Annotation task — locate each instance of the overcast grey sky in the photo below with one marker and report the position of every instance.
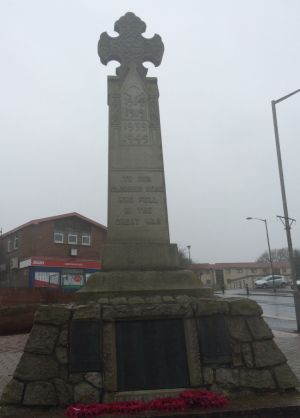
(224, 62)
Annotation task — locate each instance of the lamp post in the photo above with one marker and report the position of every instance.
(189, 250)
(269, 247)
(285, 208)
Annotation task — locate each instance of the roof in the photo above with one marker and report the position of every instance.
(54, 218)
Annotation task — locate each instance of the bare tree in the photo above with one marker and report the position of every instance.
(183, 258)
(277, 254)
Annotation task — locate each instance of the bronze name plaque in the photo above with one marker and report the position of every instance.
(151, 355)
(85, 346)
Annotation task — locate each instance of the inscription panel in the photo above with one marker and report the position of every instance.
(137, 200)
(135, 133)
(134, 114)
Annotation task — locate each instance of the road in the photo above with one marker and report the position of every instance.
(278, 309)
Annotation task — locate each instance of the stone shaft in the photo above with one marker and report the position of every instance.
(137, 209)
(138, 230)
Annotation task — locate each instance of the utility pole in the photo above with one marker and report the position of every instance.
(287, 221)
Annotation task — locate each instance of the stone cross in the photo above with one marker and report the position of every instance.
(138, 230)
(130, 48)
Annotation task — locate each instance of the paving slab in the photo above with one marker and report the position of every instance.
(270, 406)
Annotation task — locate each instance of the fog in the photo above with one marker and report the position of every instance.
(224, 62)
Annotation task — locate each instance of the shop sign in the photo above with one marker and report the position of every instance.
(60, 263)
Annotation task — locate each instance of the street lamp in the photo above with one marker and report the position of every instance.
(189, 250)
(269, 247)
(285, 208)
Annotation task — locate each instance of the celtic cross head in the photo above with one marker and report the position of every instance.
(130, 48)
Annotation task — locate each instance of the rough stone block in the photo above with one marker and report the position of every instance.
(153, 299)
(245, 307)
(259, 328)
(247, 355)
(63, 338)
(238, 328)
(75, 378)
(94, 378)
(63, 372)
(208, 376)
(118, 300)
(211, 307)
(36, 367)
(90, 311)
(12, 393)
(237, 355)
(62, 355)
(256, 379)
(85, 393)
(42, 339)
(64, 392)
(147, 311)
(168, 298)
(227, 377)
(285, 378)
(183, 299)
(53, 314)
(40, 393)
(135, 299)
(266, 353)
(103, 301)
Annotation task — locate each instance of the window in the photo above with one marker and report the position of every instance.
(58, 237)
(46, 279)
(72, 238)
(9, 246)
(16, 242)
(86, 239)
(73, 252)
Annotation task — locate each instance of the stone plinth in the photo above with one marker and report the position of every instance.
(140, 256)
(142, 284)
(255, 365)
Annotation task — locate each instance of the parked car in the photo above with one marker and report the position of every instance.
(269, 281)
(298, 284)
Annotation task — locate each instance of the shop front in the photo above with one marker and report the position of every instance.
(58, 273)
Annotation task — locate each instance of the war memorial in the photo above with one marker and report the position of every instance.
(144, 327)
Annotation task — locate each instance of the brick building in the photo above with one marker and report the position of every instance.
(59, 251)
(237, 275)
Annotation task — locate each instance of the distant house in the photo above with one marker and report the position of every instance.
(237, 275)
(59, 251)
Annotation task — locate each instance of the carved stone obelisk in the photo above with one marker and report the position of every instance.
(138, 231)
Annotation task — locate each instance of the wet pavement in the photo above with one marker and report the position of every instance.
(278, 309)
(11, 349)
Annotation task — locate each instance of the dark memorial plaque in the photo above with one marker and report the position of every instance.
(214, 340)
(85, 346)
(151, 355)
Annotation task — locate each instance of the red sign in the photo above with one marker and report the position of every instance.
(65, 263)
